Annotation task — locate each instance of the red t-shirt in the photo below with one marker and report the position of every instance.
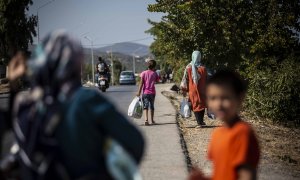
(231, 147)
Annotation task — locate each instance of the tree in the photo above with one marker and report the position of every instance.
(226, 32)
(117, 70)
(258, 38)
(16, 27)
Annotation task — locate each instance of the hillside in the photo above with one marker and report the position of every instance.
(126, 60)
(127, 48)
(122, 52)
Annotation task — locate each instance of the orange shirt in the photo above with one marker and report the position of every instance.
(231, 147)
(196, 92)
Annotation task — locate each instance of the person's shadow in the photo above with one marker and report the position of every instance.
(203, 127)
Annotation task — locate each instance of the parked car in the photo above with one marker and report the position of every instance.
(127, 77)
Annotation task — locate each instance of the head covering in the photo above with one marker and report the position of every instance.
(195, 63)
(54, 73)
(56, 64)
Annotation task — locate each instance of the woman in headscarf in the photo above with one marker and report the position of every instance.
(193, 82)
(62, 128)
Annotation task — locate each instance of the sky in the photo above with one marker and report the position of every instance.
(103, 21)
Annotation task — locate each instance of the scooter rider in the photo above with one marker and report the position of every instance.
(102, 68)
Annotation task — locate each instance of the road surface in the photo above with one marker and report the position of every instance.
(163, 157)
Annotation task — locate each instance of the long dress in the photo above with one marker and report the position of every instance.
(197, 92)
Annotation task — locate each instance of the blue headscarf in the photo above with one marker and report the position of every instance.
(195, 63)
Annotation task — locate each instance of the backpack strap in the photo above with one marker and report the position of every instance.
(38, 145)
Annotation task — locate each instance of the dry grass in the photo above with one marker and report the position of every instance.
(280, 146)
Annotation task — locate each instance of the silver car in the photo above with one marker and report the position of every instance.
(127, 77)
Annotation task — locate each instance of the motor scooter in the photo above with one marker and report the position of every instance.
(103, 82)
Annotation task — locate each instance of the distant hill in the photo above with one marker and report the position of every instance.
(122, 52)
(127, 48)
(126, 60)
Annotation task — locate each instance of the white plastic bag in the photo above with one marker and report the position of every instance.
(135, 109)
(185, 110)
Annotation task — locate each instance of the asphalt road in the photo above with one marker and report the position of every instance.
(120, 96)
(3, 101)
(163, 158)
(8, 137)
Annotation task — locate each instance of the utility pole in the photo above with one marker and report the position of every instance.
(133, 59)
(92, 54)
(112, 66)
(38, 26)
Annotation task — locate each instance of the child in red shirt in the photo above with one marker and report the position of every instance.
(233, 148)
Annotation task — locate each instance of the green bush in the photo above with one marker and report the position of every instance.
(274, 92)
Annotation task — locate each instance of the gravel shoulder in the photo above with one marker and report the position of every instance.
(280, 146)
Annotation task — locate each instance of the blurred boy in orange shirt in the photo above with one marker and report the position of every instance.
(234, 148)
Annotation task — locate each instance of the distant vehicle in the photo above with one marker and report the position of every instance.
(127, 77)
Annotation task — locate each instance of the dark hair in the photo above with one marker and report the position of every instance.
(231, 79)
(151, 64)
(100, 58)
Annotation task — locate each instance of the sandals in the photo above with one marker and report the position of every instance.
(147, 123)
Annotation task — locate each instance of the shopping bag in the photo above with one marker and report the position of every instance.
(135, 109)
(185, 110)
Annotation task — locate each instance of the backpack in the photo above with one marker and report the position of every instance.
(38, 147)
(39, 150)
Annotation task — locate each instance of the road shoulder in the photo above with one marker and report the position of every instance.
(164, 158)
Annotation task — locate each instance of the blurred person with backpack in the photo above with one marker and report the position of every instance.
(61, 128)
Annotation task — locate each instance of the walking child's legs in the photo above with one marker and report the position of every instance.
(148, 102)
(199, 117)
(151, 101)
(146, 115)
(152, 115)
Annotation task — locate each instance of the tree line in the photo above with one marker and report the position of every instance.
(260, 39)
(17, 27)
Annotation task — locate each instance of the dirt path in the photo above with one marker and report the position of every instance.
(280, 146)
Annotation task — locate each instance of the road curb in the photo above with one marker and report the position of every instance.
(164, 157)
(182, 140)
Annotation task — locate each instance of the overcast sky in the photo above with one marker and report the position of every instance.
(104, 21)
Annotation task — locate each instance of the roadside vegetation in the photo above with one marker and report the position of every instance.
(279, 145)
(260, 39)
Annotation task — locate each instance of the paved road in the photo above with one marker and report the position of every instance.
(8, 136)
(163, 158)
(3, 101)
